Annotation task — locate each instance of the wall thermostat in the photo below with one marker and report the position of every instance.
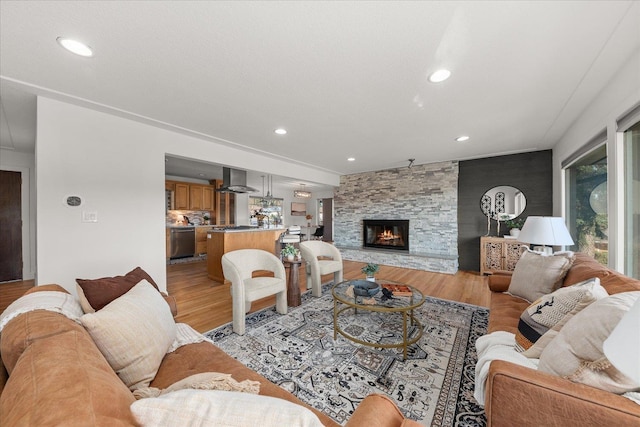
(73, 201)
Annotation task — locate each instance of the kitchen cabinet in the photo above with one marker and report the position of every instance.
(181, 196)
(201, 197)
(498, 254)
(201, 240)
(168, 242)
(194, 197)
(225, 206)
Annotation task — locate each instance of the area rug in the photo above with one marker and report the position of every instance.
(434, 386)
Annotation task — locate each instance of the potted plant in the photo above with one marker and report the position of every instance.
(515, 225)
(370, 271)
(206, 219)
(289, 252)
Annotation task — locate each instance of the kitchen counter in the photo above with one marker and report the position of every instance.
(187, 226)
(221, 241)
(244, 229)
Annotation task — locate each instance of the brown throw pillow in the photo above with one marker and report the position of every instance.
(100, 292)
(537, 274)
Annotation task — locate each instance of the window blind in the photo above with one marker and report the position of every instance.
(628, 119)
(593, 143)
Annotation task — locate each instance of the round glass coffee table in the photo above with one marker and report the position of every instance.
(345, 304)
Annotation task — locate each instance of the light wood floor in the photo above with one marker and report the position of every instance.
(205, 304)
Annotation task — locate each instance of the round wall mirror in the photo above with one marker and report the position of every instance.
(503, 202)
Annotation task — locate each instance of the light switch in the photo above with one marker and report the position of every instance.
(89, 216)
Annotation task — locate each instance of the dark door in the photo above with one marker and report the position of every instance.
(10, 226)
(327, 219)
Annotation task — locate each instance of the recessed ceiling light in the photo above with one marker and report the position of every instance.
(75, 46)
(439, 76)
(462, 138)
(200, 174)
(281, 131)
(351, 159)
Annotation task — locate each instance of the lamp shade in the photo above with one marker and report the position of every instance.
(545, 230)
(622, 347)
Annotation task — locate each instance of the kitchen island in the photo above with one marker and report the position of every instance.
(221, 241)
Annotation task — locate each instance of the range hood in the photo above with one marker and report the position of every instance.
(235, 181)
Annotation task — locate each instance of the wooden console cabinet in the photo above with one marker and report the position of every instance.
(498, 254)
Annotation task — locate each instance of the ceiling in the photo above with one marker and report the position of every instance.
(346, 79)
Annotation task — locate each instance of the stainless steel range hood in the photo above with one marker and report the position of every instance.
(235, 181)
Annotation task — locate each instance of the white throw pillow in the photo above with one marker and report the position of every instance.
(220, 408)
(542, 320)
(576, 352)
(133, 332)
(536, 274)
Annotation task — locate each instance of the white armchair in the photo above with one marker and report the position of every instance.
(321, 258)
(238, 266)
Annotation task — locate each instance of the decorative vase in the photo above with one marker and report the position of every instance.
(514, 232)
(290, 258)
(371, 278)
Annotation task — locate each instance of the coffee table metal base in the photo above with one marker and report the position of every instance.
(406, 316)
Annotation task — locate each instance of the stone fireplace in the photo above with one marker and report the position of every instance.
(392, 234)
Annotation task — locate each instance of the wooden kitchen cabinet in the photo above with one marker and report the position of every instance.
(168, 242)
(181, 196)
(201, 240)
(201, 197)
(225, 206)
(498, 254)
(194, 197)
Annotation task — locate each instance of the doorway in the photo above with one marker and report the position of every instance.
(10, 226)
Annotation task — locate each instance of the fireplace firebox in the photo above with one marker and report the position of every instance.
(386, 234)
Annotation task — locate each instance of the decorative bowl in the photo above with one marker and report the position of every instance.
(365, 288)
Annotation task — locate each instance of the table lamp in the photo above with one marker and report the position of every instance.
(546, 231)
(622, 348)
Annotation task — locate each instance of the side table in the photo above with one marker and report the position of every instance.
(293, 287)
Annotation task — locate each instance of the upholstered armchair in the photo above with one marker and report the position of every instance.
(238, 266)
(321, 258)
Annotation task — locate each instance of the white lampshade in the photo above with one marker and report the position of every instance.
(622, 348)
(545, 230)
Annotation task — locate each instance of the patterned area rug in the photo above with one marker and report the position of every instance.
(434, 386)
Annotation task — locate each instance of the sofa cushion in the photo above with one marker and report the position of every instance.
(94, 294)
(536, 275)
(133, 333)
(63, 380)
(576, 353)
(208, 407)
(543, 319)
(585, 267)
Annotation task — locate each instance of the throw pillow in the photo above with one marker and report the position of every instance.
(576, 353)
(133, 333)
(209, 407)
(94, 294)
(543, 319)
(536, 274)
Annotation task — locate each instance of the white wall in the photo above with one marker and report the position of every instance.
(25, 164)
(117, 166)
(622, 92)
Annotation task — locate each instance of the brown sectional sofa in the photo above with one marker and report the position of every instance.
(519, 396)
(55, 375)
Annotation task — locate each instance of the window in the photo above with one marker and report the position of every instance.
(632, 201)
(587, 212)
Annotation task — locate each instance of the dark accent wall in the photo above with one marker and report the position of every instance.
(531, 173)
